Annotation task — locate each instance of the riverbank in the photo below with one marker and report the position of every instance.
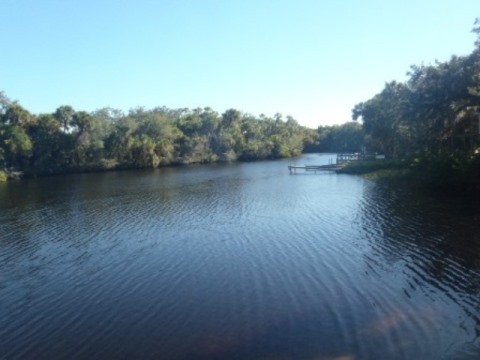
(375, 168)
(102, 167)
(441, 175)
(10, 175)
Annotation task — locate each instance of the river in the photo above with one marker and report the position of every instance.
(235, 261)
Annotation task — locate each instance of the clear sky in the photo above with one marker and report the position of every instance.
(311, 59)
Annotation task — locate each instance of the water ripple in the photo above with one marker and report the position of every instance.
(234, 262)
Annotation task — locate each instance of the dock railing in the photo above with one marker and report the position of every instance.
(341, 160)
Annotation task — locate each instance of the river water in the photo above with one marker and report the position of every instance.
(238, 261)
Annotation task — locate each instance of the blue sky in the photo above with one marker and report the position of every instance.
(311, 59)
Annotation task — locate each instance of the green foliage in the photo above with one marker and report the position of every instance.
(64, 115)
(3, 176)
(435, 111)
(347, 138)
(447, 170)
(68, 140)
(433, 121)
(17, 146)
(15, 114)
(371, 166)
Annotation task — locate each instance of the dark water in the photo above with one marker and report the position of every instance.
(238, 261)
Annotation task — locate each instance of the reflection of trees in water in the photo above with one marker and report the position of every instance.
(436, 241)
(76, 218)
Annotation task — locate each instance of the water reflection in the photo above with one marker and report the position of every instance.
(436, 245)
(236, 261)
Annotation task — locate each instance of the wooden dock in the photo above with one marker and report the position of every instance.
(341, 160)
(314, 168)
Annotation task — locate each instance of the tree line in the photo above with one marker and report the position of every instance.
(434, 114)
(429, 125)
(344, 138)
(67, 140)
(436, 111)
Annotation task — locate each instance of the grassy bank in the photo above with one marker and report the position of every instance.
(446, 175)
(372, 167)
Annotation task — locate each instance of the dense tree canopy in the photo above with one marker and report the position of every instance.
(345, 138)
(435, 111)
(69, 140)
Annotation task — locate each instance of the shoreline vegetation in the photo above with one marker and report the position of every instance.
(441, 175)
(70, 141)
(428, 128)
